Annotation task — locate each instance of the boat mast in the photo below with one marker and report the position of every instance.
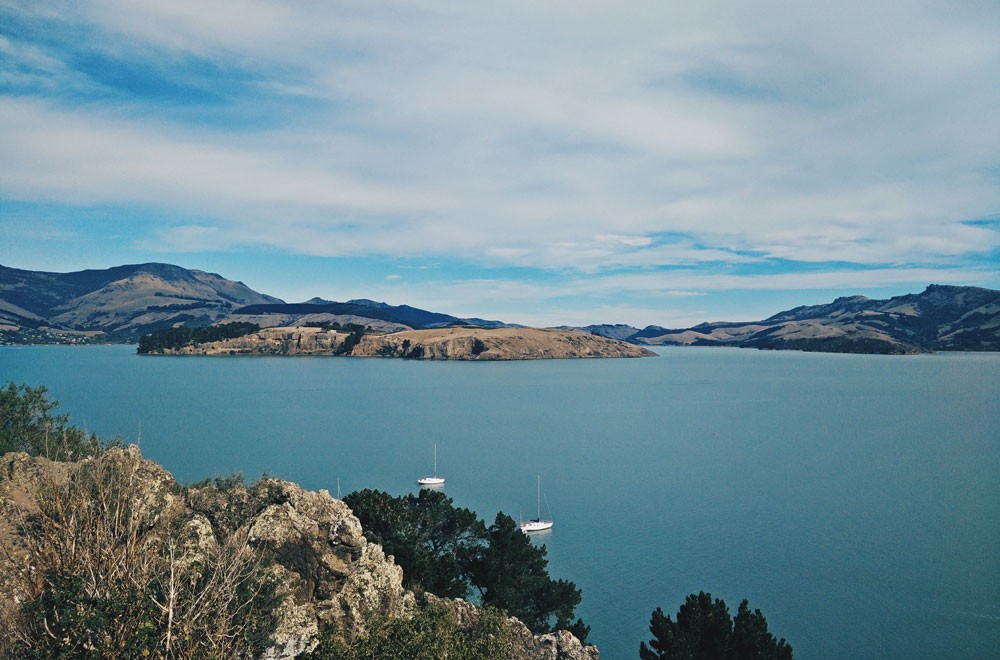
(538, 496)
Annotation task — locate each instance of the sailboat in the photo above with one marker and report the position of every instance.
(432, 479)
(537, 524)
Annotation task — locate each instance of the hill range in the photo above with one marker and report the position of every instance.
(941, 318)
(123, 303)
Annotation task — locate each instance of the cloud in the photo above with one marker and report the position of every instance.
(67, 157)
(693, 281)
(609, 144)
(649, 297)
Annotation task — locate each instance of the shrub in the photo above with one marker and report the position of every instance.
(105, 577)
(431, 633)
(27, 424)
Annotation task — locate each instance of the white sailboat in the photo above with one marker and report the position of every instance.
(537, 525)
(432, 479)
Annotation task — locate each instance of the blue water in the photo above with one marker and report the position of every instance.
(854, 499)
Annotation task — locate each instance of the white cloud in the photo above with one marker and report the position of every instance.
(656, 285)
(671, 299)
(565, 136)
(72, 157)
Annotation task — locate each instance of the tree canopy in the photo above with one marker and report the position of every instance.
(431, 539)
(450, 552)
(510, 572)
(170, 338)
(704, 630)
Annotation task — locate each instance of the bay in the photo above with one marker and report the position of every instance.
(853, 499)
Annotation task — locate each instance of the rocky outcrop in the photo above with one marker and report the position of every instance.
(455, 343)
(327, 572)
(332, 574)
(471, 343)
(278, 340)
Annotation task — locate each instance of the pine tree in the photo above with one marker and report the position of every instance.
(705, 631)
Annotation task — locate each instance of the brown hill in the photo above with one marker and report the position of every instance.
(458, 343)
(122, 302)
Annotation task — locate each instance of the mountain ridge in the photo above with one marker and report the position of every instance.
(941, 318)
(125, 302)
(119, 303)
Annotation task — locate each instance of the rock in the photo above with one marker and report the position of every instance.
(328, 563)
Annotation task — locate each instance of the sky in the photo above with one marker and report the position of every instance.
(542, 163)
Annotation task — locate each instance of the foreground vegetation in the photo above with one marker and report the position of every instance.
(705, 631)
(98, 577)
(28, 424)
(99, 583)
(433, 632)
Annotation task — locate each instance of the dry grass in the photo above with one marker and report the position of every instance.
(101, 574)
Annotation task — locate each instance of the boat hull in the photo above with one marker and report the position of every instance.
(536, 525)
(431, 481)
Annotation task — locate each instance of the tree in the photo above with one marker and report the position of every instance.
(509, 572)
(27, 424)
(751, 639)
(449, 551)
(430, 538)
(357, 332)
(182, 335)
(705, 631)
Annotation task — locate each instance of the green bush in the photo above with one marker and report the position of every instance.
(27, 424)
(430, 634)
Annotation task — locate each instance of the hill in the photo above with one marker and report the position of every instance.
(121, 304)
(941, 318)
(353, 311)
(118, 303)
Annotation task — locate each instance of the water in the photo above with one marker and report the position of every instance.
(853, 499)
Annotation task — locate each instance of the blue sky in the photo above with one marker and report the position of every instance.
(543, 163)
